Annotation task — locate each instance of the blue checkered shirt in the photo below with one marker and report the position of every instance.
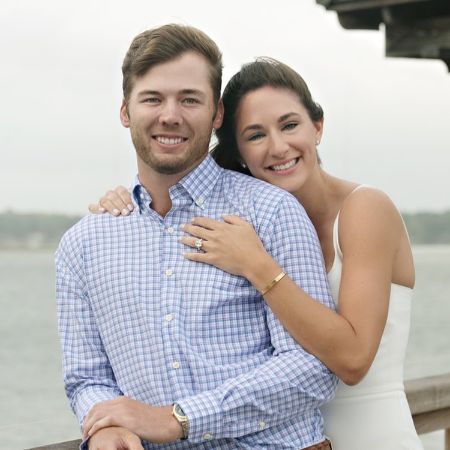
(138, 319)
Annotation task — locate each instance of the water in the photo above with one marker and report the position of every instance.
(33, 407)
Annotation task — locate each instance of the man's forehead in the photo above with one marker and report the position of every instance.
(188, 63)
(189, 73)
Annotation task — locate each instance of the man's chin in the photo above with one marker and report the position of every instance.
(169, 169)
(175, 167)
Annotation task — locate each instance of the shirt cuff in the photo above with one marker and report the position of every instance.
(86, 399)
(205, 417)
(84, 444)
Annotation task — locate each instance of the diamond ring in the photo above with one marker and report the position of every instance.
(198, 244)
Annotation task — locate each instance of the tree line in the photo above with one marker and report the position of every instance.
(36, 231)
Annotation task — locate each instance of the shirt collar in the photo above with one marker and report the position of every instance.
(198, 184)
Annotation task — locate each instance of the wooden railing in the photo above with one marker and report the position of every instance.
(428, 398)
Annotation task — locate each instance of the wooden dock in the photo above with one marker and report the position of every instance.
(429, 400)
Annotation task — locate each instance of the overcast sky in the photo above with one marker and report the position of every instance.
(387, 120)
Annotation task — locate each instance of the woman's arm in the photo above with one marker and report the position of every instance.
(347, 343)
(370, 228)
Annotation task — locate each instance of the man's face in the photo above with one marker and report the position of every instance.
(171, 114)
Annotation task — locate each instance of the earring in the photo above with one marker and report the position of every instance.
(243, 165)
(318, 142)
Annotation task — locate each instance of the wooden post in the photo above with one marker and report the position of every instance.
(447, 439)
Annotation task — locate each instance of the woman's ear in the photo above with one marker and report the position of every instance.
(319, 130)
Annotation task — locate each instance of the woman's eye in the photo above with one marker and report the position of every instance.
(256, 137)
(290, 126)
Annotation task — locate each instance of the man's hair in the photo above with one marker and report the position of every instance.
(262, 72)
(163, 44)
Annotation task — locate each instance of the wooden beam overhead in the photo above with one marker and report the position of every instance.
(414, 28)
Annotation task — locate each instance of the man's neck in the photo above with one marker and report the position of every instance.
(158, 185)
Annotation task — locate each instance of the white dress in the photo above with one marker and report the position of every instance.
(374, 414)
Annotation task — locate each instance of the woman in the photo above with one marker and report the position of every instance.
(271, 130)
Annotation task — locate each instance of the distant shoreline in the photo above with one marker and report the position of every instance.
(40, 231)
(417, 249)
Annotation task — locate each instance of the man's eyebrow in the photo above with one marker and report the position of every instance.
(148, 92)
(193, 92)
(183, 92)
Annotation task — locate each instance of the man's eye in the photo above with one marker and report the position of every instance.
(190, 100)
(151, 100)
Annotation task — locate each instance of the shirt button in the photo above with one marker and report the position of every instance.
(175, 365)
(262, 425)
(169, 272)
(141, 196)
(200, 201)
(207, 436)
(170, 230)
(168, 317)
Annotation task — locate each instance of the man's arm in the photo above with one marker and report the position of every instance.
(290, 383)
(88, 376)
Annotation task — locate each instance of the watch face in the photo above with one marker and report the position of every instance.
(178, 410)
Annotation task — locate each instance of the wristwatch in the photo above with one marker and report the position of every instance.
(179, 414)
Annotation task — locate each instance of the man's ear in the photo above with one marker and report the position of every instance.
(124, 117)
(217, 122)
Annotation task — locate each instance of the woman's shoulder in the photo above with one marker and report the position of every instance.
(369, 213)
(365, 199)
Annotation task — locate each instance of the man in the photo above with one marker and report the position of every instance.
(162, 349)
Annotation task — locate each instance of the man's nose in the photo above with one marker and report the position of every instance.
(170, 113)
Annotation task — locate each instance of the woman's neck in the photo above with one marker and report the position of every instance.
(320, 196)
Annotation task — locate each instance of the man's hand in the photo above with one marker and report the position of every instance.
(115, 438)
(152, 423)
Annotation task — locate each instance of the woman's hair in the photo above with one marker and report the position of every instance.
(252, 76)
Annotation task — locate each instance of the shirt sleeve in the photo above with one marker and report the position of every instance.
(291, 382)
(88, 376)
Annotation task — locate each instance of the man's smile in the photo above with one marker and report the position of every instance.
(169, 140)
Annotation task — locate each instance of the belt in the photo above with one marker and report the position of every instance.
(324, 445)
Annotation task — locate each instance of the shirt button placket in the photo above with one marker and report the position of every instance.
(168, 317)
(170, 294)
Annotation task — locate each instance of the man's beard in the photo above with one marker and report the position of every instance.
(171, 166)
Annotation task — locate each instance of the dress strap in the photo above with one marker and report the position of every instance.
(336, 245)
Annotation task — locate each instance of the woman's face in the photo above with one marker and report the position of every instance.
(276, 137)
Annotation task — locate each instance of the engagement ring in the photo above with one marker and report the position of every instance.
(198, 244)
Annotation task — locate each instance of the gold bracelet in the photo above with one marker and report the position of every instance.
(278, 278)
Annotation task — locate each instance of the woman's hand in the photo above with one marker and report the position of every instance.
(232, 245)
(117, 202)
